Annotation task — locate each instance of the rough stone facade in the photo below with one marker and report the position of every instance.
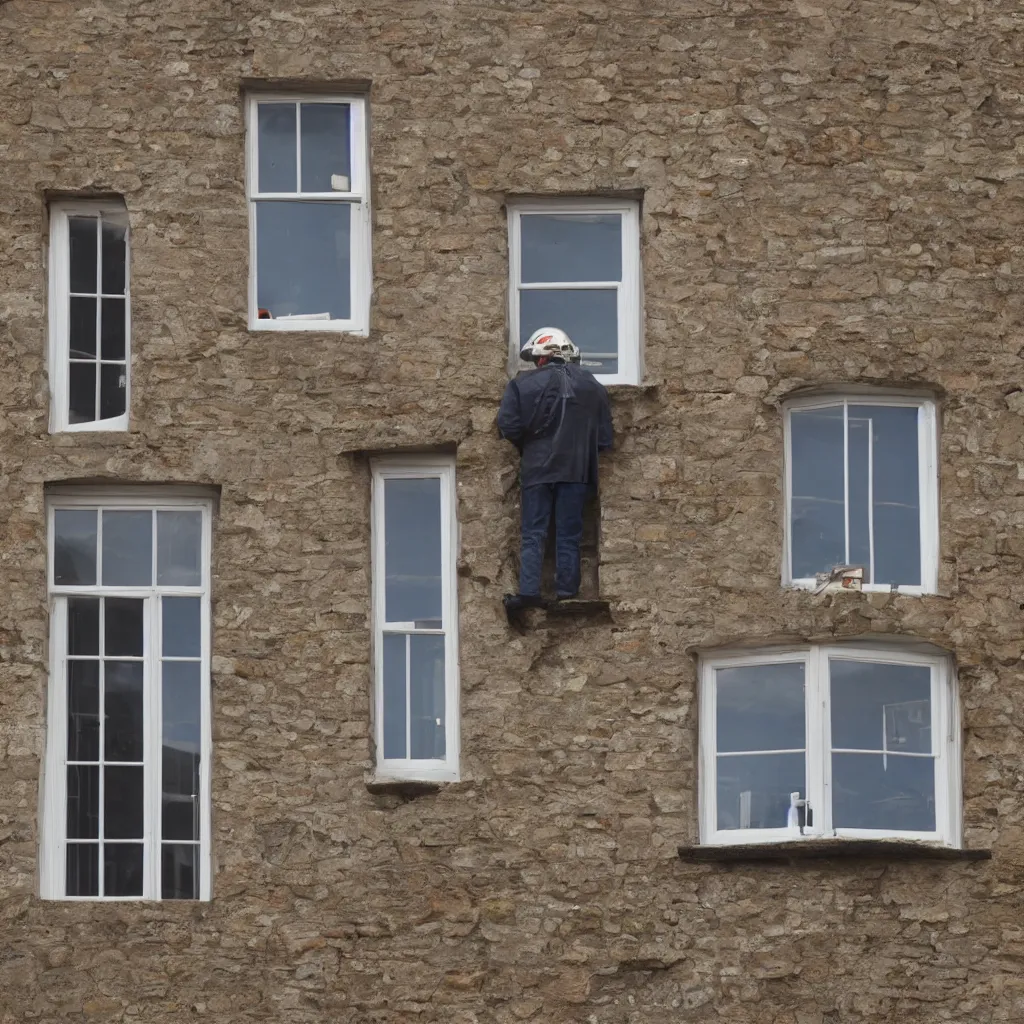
(832, 192)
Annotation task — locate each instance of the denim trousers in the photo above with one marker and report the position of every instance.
(538, 501)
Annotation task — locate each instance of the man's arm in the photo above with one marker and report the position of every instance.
(605, 435)
(510, 417)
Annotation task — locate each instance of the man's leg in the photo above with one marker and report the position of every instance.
(569, 502)
(536, 515)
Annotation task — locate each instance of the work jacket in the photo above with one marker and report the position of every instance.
(559, 419)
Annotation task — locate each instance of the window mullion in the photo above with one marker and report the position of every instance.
(408, 696)
(99, 307)
(823, 741)
(100, 754)
(846, 482)
(298, 147)
(871, 500)
(151, 753)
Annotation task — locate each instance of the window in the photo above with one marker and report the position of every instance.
(127, 776)
(309, 214)
(89, 316)
(861, 489)
(829, 741)
(415, 619)
(575, 264)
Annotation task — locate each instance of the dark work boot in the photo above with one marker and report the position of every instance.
(516, 602)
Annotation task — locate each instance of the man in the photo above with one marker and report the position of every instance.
(559, 418)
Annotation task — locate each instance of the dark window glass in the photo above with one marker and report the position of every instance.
(180, 793)
(112, 329)
(82, 392)
(74, 555)
(182, 637)
(114, 256)
(82, 869)
(113, 390)
(394, 695)
(83, 710)
(127, 548)
(122, 802)
(83, 625)
(179, 872)
(82, 328)
(123, 627)
(82, 243)
(122, 705)
(122, 869)
(324, 145)
(83, 801)
(276, 145)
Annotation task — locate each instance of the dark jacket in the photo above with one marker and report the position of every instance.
(559, 419)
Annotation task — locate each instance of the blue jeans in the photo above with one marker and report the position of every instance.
(567, 500)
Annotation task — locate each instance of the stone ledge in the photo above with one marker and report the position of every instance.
(827, 849)
(595, 611)
(409, 789)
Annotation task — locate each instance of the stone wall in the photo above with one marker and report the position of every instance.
(832, 192)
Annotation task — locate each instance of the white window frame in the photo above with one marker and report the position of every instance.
(928, 483)
(815, 658)
(53, 819)
(412, 467)
(358, 197)
(629, 297)
(59, 319)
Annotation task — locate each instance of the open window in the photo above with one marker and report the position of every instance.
(862, 490)
(575, 264)
(837, 741)
(309, 213)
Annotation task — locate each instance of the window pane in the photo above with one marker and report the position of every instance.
(83, 710)
(182, 703)
(83, 801)
(394, 695)
(122, 869)
(181, 627)
(754, 789)
(276, 146)
(122, 802)
(890, 791)
(859, 456)
(113, 390)
(426, 697)
(818, 527)
(122, 705)
(325, 132)
(412, 549)
(180, 800)
(179, 872)
(179, 549)
(589, 317)
(122, 632)
(82, 873)
(74, 547)
(82, 328)
(81, 392)
(571, 247)
(113, 255)
(83, 625)
(881, 707)
(127, 549)
(896, 507)
(760, 707)
(112, 329)
(303, 258)
(82, 244)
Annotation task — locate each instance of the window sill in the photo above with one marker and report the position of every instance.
(827, 849)
(406, 788)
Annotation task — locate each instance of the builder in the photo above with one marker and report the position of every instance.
(559, 418)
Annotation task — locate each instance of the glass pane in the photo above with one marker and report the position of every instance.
(83, 710)
(179, 549)
(127, 549)
(112, 329)
(881, 707)
(74, 547)
(884, 791)
(818, 528)
(181, 628)
(113, 390)
(590, 317)
(179, 872)
(81, 392)
(324, 145)
(122, 802)
(122, 706)
(122, 869)
(426, 697)
(394, 695)
(83, 625)
(571, 247)
(760, 707)
(754, 789)
(115, 228)
(182, 703)
(82, 869)
(180, 801)
(897, 504)
(412, 549)
(82, 243)
(303, 258)
(122, 632)
(276, 146)
(859, 456)
(82, 328)
(83, 801)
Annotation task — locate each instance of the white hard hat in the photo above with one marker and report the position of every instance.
(552, 343)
